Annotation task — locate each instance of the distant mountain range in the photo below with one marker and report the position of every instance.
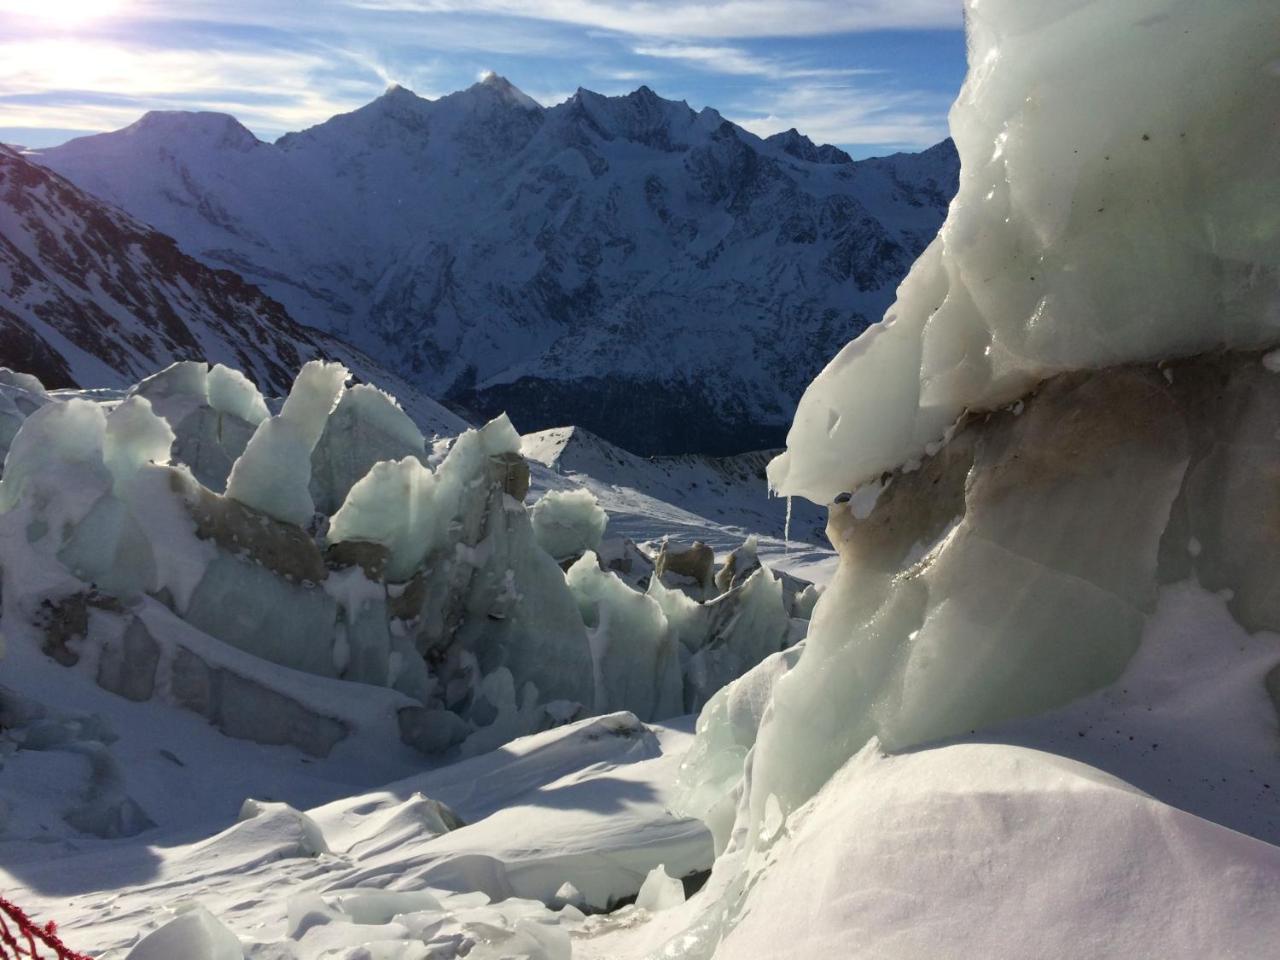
(91, 297)
(655, 274)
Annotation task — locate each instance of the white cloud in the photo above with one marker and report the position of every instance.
(733, 60)
(280, 68)
(837, 113)
(85, 83)
(714, 19)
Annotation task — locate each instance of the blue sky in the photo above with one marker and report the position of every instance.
(869, 75)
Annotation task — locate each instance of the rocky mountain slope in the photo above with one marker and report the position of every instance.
(653, 273)
(91, 297)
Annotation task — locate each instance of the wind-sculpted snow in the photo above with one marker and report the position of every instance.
(1113, 208)
(649, 271)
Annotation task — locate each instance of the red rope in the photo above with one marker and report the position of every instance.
(11, 949)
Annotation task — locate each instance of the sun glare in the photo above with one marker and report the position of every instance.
(64, 13)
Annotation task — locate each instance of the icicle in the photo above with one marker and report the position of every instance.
(786, 530)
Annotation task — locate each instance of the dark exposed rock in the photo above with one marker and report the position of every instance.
(65, 623)
(243, 708)
(370, 557)
(697, 563)
(80, 283)
(239, 530)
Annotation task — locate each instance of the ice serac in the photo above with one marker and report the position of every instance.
(1070, 405)
(1118, 212)
(274, 472)
(366, 428)
(637, 663)
(567, 523)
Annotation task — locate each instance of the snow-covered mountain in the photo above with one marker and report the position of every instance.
(726, 496)
(91, 297)
(653, 273)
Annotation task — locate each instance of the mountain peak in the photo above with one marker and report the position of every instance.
(221, 128)
(796, 144)
(505, 90)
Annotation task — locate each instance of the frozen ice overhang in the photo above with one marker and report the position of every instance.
(1091, 229)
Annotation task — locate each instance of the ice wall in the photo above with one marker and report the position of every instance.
(1068, 405)
(1119, 179)
(366, 428)
(213, 412)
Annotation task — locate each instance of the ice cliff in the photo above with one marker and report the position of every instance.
(1070, 406)
(1117, 203)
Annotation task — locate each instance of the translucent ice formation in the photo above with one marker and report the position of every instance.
(274, 472)
(1115, 229)
(427, 580)
(637, 665)
(366, 427)
(660, 891)
(568, 523)
(725, 637)
(213, 412)
(20, 396)
(711, 775)
(1113, 207)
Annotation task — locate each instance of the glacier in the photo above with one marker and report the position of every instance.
(345, 547)
(1034, 710)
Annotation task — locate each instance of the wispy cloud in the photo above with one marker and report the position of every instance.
(739, 62)
(714, 19)
(284, 66)
(97, 84)
(838, 113)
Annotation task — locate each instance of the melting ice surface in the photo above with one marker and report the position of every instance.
(1119, 206)
(1118, 187)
